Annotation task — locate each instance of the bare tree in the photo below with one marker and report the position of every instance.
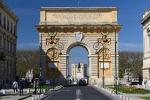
(132, 60)
(27, 60)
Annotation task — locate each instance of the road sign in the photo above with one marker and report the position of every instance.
(47, 81)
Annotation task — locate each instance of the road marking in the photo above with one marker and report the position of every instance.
(78, 92)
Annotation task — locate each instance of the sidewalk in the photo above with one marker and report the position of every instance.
(7, 94)
(27, 95)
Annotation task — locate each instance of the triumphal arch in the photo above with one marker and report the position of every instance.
(61, 29)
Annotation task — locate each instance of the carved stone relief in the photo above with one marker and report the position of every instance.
(100, 41)
(104, 52)
(53, 53)
(56, 41)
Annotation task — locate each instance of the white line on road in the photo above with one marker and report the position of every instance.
(78, 92)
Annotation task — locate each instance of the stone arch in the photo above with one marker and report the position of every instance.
(85, 44)
(72, 43)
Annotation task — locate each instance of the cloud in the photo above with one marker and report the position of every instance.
(130, 47)
(28, 46)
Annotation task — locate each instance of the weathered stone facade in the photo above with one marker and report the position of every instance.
(8, 43)
(146, 44)
(66, 22)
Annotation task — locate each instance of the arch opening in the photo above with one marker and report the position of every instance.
(77, 56)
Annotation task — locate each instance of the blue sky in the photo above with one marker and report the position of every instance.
(129, 15)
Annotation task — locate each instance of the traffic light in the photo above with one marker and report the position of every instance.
(2, 57)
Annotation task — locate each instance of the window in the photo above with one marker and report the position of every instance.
(14, 29)
(0, 18)
(1, 41)
(5, 46)
(4, 24)
(4, 43)
(8, 25)
(11, 28)
(10, 47)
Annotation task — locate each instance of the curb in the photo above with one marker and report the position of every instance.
(41, 96)
(25, 97)
(58, 88)
(44, 97)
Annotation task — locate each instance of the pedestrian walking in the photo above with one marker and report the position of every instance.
(15, 87)
(145, 82)
(21, 86)
(7, 83)
(35, 86)
(70, 81)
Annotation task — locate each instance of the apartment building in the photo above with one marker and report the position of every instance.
(8, 42)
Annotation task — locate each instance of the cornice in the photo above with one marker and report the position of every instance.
(8, 11)
(146, 18)
(70, 9)
(47, 27)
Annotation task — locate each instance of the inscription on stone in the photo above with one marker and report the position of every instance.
(77, 16)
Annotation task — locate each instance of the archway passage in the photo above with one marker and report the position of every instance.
(78, 27)
(78, 55)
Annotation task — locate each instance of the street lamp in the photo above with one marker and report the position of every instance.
(104, 42)
(40, 77)
(52, 41)
(55, 46)
(105, 30)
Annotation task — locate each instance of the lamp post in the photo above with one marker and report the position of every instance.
(52, 35)
(54, 43)
(40, 78)
(96, 46)
(105, 30)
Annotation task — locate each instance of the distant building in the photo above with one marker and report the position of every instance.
(78, 73)
(8, 42)
(146, 44)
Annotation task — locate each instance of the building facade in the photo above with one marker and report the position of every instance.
(146, 44)
(78, 72)
(78, 26)
(8, 43)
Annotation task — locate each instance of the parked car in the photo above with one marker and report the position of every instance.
(82, 81)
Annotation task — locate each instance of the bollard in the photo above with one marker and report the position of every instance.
(28, 90)
(121, 97)
(4, 91)
(38, 97)
(32, 98)
(43, 90)
(138, 86)
(35, 98)
(127, 98)
(42, 94)
(124, 98)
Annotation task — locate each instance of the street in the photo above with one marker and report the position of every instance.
(79, 93)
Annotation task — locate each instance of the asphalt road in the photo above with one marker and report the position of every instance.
(79, 93)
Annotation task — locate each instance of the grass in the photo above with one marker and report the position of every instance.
(145, 98)
(132, 90)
